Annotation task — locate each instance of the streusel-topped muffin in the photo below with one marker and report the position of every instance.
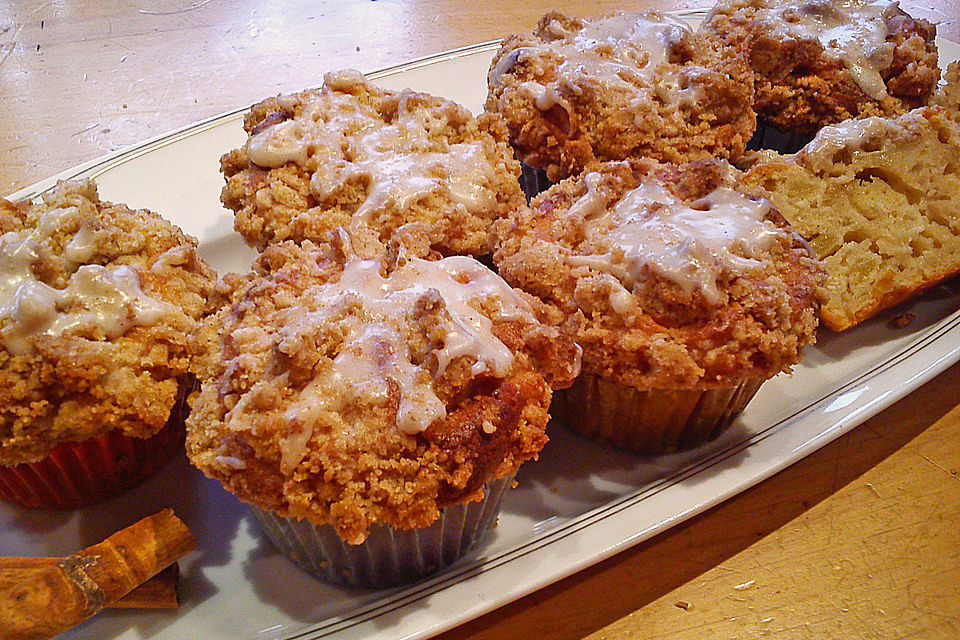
(353, 394)
(96, 304)
(622, 85)
(685, 291)
(370, 160)
(818, 62)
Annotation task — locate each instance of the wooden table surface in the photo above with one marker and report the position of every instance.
(858, 540)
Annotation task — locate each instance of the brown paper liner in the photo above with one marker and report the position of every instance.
(656, 421)
(389, 556)
(77, 474)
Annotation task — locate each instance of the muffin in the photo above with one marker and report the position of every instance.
(370, 160)
(97, 303)
(684, 290)
(372, 411)
(948, 95)
(623, 85)
(877, 199)
(818, 62)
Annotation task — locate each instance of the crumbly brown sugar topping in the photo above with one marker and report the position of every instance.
(350, 391)
(854, 31)
(96, 305)
(688, 243)
(618, 52)
(108, 299)
(375, 359)
(401, 162)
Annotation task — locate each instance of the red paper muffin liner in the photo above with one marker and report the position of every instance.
(76, 474)
(656, 421)
(389, 556)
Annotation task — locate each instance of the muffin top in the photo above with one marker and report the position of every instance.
(370, 160)
(349, 391)
(96, 302)
(669, 277)
(823, 61)
(618, 86)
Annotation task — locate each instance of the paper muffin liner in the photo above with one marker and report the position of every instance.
(533, 181)
(657, 421)
(767, 136)
(389, 556)
(76, 474)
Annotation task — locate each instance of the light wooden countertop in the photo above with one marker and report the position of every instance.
(858, 540)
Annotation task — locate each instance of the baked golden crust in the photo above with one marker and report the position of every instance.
(876, 198)
(79, 382)
(265, 365)
(370, 160)
(620, 101)
(652, 331)
(800, 86)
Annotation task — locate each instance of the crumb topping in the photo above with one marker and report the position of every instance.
(853, 31)
(361, 157)
(668, 277)
(622, 85)
(618, 53)
(96, 302)
(816, 62)
(352, 391)
(649, 229)
(108, 299)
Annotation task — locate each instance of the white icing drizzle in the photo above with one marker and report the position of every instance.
(399, 163)
(279, 144)
(620, 52)
(854, 31)
(105, 299)
(375, 362)
(853, 132)
(688, 243)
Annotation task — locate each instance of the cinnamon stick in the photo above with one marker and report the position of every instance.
(159, 592)
(41, 602)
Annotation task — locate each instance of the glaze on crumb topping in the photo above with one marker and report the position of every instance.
(349, 391)
(96, 303)
(621, 85)
(372, 161)
(669, 277)
(818, 62)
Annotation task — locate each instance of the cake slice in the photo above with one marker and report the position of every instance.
(879, 200)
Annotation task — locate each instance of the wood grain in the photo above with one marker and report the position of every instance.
(83, 78)
(859, 540)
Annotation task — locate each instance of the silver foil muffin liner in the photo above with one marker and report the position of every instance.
(657, 421)
(533, 181)
(768, 136)
(389, 556)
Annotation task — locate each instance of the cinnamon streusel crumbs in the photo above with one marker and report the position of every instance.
(96, 303)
